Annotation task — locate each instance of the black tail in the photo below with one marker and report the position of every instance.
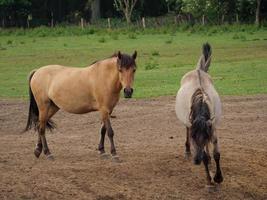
(205, 58)
(33, 116)
(206, 50)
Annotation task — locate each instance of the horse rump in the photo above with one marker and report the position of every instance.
(33, 116)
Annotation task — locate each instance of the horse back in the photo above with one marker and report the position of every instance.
(189, 84)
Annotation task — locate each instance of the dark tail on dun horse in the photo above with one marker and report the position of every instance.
(33, 116)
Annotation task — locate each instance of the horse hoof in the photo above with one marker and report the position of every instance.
(187, 155)
(50, 157)
(218, 178)
(104, 156)
(211, 187)
(37, 153)
(116, 159)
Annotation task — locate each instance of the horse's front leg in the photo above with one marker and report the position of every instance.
(206, 164)
(101, 147)
(218, 178)
(110, 132)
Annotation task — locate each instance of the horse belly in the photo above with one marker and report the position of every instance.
(73, 101)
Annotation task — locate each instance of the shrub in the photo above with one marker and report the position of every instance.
(132, 36)
(155, 53)
(102, 40)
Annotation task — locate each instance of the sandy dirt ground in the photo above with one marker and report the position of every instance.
(150, 143)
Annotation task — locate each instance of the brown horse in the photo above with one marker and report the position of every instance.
(198, 107)
(79, 90)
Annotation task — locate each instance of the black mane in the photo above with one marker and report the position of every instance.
(126, 61)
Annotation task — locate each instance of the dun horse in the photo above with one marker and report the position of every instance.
(79, 90)
(198, 107)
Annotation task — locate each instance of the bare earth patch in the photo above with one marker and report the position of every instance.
(150, 143)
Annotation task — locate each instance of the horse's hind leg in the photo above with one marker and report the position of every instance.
(187, 144)
(43, 119)
(52, 109)
(218, 178)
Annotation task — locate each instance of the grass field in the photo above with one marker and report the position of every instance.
(238, 65)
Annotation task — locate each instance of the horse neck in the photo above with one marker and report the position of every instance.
(108, 74)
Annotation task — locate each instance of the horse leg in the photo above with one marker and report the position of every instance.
(101, 147)
(107, 124)
(43, 118)
(187, 144)
(218, 178)
(206, 164)
(208, 153)
(39, 147)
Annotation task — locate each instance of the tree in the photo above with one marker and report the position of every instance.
(14, 11)
(126, 6)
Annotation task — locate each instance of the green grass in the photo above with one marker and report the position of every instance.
(238, 64)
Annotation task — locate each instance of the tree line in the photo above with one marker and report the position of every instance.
(23, 13)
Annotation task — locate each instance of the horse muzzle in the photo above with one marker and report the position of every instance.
(128, 92)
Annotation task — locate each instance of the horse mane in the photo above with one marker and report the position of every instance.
(199, 116)
(126, 61)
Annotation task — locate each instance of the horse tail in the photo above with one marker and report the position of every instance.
(199, 116)
(205, 58)
(33, 116)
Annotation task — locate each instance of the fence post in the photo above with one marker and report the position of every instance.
(144, 22)
(222, 19)
(82, 25)
(203, 19)
(237, 19)
(175, 20)
(109, 24)
(52, 20)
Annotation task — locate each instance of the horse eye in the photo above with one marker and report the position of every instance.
(134, 70)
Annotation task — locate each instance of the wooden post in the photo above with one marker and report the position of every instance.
(144, 22)
(3, 23)
(203, 19)
(237, 19)
(29, 18)
(175, 20)
(82, 25)
(52, 20)
(109, 24)
(222, 19)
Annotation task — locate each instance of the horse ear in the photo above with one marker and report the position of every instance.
(134, 55)
(119, 55)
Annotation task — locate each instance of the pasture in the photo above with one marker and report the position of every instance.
(238, 65)
(148, 136)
